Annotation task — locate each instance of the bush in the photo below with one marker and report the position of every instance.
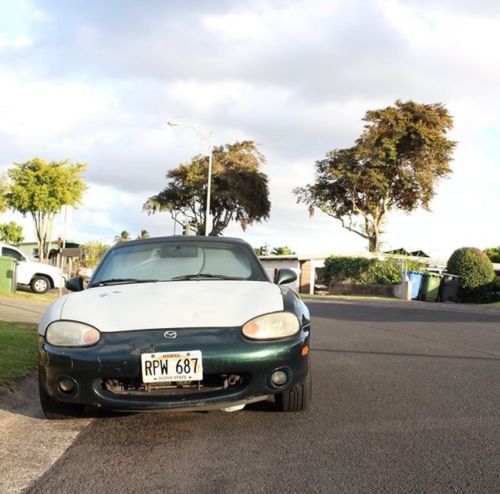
(489, 292)
(493, 253)
(339, 269)
(473, 266)
(385, 273)
(494, 286)
(94, 251)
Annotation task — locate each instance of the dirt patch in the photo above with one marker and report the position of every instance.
(30, 444)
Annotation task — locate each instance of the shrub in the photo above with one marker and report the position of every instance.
(493, 253)
(346, 269)
(473, 266)
(494, 286)
(491, 291)
(385, 273)
(340, 269)
(94, 251)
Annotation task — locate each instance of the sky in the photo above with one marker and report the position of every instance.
(96, 82)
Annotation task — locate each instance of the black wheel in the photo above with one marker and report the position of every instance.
(296, 399)
(39, 284)
(56, 410)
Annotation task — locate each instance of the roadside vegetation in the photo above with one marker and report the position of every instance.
(26, 294)
(18, 350)
(477, 282)
(94, 251)
(493, 253)
(363, 270)
(316, 296)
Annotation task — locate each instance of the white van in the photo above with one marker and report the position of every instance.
(38, 276)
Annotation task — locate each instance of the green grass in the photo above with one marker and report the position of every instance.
(346, 297)
(27, 295)
(18, 349)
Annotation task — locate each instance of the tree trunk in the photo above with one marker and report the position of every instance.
(373, 244)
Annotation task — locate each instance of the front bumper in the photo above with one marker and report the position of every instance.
(117, 359)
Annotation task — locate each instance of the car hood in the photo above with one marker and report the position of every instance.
(174, 304)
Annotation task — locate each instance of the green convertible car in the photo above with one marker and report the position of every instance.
(176, 323)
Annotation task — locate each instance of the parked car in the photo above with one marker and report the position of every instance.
(38, 276)
(176, 323)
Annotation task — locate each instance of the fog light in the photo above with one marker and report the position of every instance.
(279, 378)
(67, 385)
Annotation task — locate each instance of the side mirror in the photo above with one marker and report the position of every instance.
(75, 284)
(285, 275)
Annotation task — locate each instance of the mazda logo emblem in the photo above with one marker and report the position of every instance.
(170, 334)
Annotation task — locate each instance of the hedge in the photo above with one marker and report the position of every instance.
(344, 269)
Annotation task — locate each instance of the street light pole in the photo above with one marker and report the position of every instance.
(209, 184)
(208, 137)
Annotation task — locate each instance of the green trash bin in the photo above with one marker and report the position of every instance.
(7, 274)
(429, 288)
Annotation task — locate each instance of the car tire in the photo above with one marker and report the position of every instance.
(40, 284)
(297, 399)
(56, 410)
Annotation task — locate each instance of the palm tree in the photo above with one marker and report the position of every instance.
(123, 237)
(143, 235)
(283, 251)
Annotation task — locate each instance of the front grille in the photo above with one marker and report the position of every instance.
(210, 383)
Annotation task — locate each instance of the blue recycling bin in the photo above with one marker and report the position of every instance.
(415, 278)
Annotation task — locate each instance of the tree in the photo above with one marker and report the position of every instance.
(4, 189)
(239, 189)
(124, 236)
(282, 251)
(143, 235)
(493, 253)
(472, 265)
(40, 189)
(11, 233)
(395, 163)
(93, 251)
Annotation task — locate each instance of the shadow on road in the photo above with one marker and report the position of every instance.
(403, 354)
(379, 312)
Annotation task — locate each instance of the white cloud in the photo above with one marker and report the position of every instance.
(96, 82)
(17, 43)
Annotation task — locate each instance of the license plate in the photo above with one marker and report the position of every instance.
(172, 366)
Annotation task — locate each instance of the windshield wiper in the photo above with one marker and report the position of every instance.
(118, 281)
(201, 276)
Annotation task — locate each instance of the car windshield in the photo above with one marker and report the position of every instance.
(177, 261)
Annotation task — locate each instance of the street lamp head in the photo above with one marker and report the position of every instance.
(208, 137)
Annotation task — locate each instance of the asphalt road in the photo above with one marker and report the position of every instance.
(406, 399)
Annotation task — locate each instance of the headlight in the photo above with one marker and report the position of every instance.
(70, 333)
(271, 326)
